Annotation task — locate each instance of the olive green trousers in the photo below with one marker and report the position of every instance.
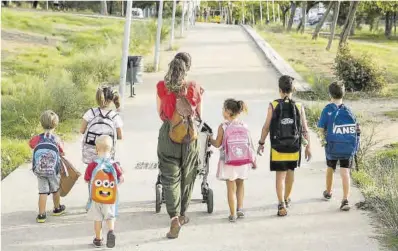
(178, 164)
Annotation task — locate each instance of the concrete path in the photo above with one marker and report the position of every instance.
(227, 64)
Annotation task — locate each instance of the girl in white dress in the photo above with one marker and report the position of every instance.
(234, 175)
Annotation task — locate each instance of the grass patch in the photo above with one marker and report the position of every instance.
(61, 77)
(392, 114)
(311, 60)
(13, 153)
(378, 181)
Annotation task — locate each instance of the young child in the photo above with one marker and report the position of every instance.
(48, 148)
(339, 133)
(103, 176)
(287, 124)
(236, 157)
(101, 121)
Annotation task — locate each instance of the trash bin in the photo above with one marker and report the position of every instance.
(135, 69)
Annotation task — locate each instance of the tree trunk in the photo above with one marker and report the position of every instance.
(320, 24)
(334, 24)
(253, 22)
(35, 3)
(304, 18)
(352, 31)
(273, 10)
(110, 7)
(268, 12)
(104, 8)
(299, 25)
(279, 13)
(348, 23)
(230, 12)
(388, 28)
(261, 12)
(395, 23)
(284, 16)
(292, 12)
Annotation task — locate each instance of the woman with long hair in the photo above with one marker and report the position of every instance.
(178, 160)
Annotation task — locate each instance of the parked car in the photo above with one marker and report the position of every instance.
(137, 13)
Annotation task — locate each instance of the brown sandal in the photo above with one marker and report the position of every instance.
(183, 220)
(282, 209)
(174, 229)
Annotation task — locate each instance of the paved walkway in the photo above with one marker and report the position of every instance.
(227, 64)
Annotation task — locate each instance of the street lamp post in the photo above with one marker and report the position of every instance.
(125, 51)
(182, 18)
(173, 17)
(158, 34)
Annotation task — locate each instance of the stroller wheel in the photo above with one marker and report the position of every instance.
(210, 201)
(158, 202)
(205, 192)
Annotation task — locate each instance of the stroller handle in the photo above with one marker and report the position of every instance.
(204, 127)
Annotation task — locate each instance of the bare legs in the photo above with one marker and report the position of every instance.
(235, 192)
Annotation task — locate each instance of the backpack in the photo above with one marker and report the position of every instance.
(46, 157)
(103, 183)
(183, 130)
(237, 145)
(99, 125)
(285, 129)
(342, 138)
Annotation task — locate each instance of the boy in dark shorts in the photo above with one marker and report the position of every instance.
(339, 133)
(287, 125)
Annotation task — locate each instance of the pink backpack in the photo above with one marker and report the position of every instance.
(237, 145)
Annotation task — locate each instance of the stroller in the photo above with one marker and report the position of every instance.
(203, 171)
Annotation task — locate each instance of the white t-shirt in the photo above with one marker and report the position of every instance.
(88, 116)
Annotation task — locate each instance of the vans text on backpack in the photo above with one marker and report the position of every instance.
(237, 145)
(286, 128)
(46, 157)
(99, 125)
(342, 136)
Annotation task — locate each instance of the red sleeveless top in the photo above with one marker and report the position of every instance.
(168, 99)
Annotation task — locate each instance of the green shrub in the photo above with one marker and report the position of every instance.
(313, 113)
(378, 180)
(13, 153)
(358, 73)
(67, 100)
(62, 78)
(94, 66)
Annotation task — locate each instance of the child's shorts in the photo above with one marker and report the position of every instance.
(101, 212)
(48, 185)
(344, 163)
(283, 166)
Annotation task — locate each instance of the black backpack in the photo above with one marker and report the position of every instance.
(285, 129)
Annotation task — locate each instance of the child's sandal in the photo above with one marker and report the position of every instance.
(282, 209)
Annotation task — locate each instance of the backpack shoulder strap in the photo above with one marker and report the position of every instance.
(114, 116)
(108, 113)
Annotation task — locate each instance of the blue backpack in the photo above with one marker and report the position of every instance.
(46, 157)
(342, 136)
